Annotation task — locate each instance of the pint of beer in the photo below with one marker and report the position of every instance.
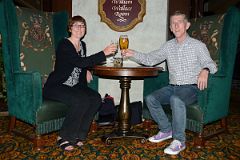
(123, 42)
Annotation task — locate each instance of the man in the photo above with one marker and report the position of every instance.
(189, 64)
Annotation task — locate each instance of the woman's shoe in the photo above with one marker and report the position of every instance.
(79, 143)
(65, 145)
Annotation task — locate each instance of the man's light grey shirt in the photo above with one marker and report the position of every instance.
(184, 61)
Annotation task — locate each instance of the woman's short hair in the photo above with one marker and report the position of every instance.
(75, 19)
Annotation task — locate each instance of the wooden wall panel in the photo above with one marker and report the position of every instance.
(47, 5)
(36, 4)
(62, 5)
(58, 5)
(183, 6)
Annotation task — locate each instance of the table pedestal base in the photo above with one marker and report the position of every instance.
(125, 75)
(119, 135)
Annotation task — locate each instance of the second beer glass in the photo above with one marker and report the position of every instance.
(123, 42)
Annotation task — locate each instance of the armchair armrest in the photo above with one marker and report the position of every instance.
(28, 92)
(214, 100)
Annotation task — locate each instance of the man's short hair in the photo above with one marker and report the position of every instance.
(178, 13)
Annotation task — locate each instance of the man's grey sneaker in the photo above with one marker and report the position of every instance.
(175, 147)
(160, 137)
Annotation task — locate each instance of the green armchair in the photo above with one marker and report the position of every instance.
(220, 33)
(29, 39)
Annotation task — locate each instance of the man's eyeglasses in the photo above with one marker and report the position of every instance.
(78, 26)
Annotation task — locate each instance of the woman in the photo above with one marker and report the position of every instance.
(68, 84)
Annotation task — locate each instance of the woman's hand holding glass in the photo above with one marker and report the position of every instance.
(116, 44)
(110, 50)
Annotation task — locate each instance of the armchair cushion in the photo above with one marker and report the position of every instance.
(50, 110)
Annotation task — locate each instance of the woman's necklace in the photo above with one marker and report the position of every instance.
(76, 45)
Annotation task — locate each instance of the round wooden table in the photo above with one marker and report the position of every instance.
(124, 74)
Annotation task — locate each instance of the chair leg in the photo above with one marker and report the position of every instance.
(199, 141)
(224, 125)
(38, 142)
(147, 124)
(93, 126)
(12, 124)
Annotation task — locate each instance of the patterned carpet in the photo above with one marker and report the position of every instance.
(225, 146)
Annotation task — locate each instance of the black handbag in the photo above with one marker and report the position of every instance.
(107, 112)
(136, 112)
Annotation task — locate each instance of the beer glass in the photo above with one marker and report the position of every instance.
(123, 42)
(116, 44)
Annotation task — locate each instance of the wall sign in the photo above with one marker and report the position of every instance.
(121, 15)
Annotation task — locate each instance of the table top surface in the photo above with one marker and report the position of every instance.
(127, 70)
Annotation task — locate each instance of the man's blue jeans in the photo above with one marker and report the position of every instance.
(178, 97)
